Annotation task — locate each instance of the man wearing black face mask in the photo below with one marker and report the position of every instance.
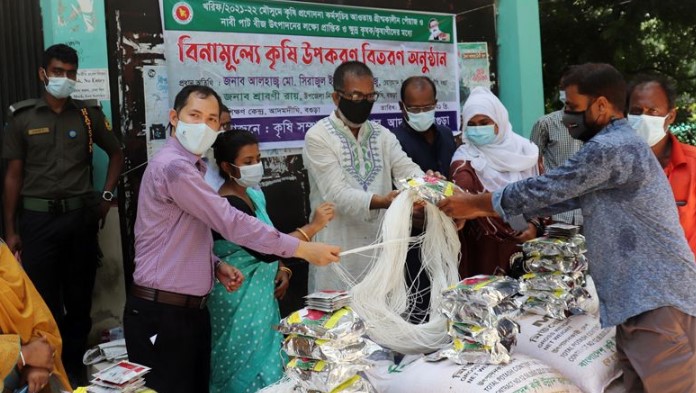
(642, 265)
(353, 163)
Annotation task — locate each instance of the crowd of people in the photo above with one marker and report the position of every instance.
(208, 261)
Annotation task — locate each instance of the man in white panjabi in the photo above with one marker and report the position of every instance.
(353, 163)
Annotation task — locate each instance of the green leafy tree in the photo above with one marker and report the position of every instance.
(636, 36)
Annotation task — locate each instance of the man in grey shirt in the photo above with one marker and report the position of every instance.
(556, 146)
(643, 268)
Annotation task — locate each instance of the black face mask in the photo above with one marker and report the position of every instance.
(355, 112)
(578, 127)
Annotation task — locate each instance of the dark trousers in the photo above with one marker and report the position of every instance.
(59, 254)
(174, 341)
(657, 351)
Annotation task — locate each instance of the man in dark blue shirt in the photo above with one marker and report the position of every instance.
(428, 144)
(431, 147)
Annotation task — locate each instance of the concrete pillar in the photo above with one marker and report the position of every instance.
(519, 62)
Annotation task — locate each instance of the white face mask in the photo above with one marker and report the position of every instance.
(196, 138)
(650, 128)
(249, 175)
(60, 87)
(421, 122)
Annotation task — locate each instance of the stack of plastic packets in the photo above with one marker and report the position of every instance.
(327, 351)
(554, 279)
(479, 310)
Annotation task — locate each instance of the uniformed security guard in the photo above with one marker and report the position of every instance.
(48, 187)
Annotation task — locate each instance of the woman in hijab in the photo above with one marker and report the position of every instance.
(491, 156)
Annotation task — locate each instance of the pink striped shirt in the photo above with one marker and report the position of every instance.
(176, 211)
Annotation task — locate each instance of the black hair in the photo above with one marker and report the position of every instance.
(599, 80)
(352, 68)
(60, 52)
(224, 108)
(200, 91)
(665, 83)
(228, 144)
(418, 80)
(565, 72)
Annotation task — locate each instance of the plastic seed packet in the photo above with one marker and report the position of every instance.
(540, 263)
(321, 375)
(553, 281)
(482, 290)
(555, 247)
(467, 352)
(505, 331)
(460, 311)
(339, 325)
(558, 304)
(554, 309)
(336, 351)
(429, 188)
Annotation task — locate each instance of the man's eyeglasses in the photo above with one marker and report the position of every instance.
(357, 96)
(420, 109)
(227, 126)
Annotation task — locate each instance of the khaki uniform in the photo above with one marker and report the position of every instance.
(58, 220)
(55, 146)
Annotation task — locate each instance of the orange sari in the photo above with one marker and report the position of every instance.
(23, 316)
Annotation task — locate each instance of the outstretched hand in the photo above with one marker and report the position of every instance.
(319, 254)
(463, 205)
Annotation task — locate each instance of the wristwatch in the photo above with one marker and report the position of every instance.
(107, 196)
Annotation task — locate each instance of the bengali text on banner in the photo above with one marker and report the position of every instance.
(272, 62)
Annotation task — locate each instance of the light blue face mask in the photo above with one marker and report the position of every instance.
(59, 87)
(421, 122)
(480, 135)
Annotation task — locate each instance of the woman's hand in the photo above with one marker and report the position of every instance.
(323, 214)
(39, 353)
(37, 378)
(229, 276)
(282, 282)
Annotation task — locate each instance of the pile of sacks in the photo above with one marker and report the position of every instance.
(554, 283)
(327, 351)
(479, 310)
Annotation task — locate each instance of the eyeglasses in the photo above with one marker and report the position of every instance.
(420, 109)
(357, 96)
(227, 126)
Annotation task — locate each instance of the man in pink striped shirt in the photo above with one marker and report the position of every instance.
(166, 321)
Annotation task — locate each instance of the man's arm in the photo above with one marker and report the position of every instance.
(14, 151)
(13, 185)
(540, 133)
(593, 168)
(105, 138)
(192, 194)
(463, 205)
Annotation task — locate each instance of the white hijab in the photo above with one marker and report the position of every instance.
(509, 157)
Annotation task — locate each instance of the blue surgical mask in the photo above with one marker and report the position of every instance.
(421, 122)
(480, 135)
(249, 175)
(60, 87)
